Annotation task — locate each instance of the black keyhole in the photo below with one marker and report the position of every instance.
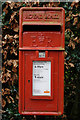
(28, 81)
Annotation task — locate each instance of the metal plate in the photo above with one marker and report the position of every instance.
(41, 54)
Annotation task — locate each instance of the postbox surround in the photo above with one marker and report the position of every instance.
(42, 17)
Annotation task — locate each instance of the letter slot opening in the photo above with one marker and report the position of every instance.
(41, 28)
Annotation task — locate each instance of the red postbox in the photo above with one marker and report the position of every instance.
(41, 61)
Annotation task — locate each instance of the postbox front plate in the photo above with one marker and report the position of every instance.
(41, 61)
